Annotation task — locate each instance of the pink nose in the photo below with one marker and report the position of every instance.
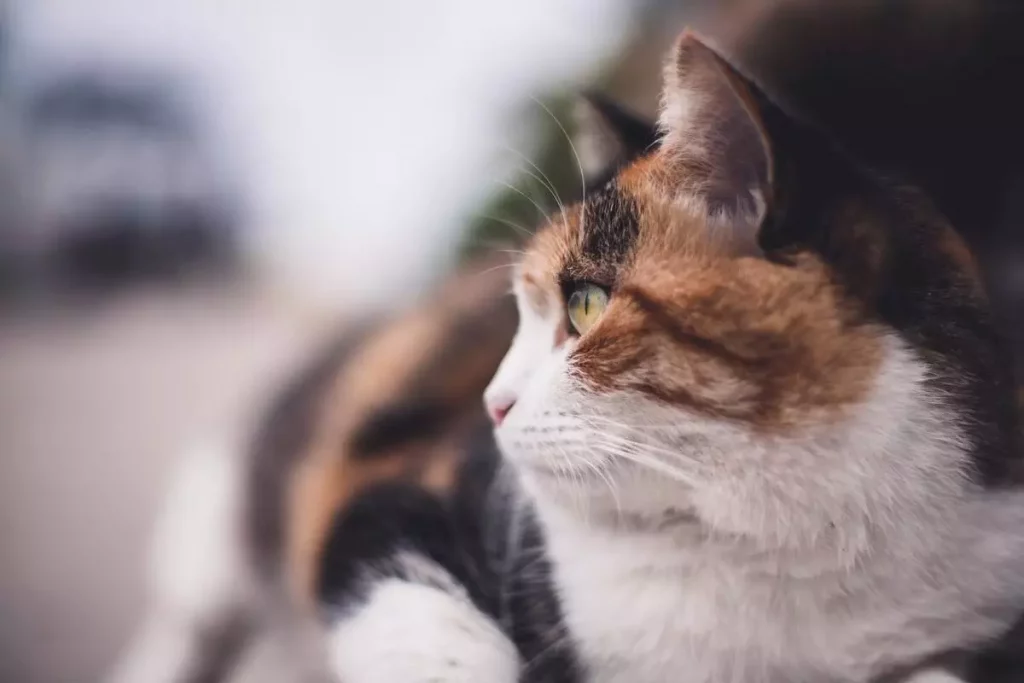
(499, 408)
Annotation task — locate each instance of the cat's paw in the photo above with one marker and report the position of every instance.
(412, 633)
(933, 676)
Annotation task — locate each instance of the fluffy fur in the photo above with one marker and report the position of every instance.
(238, 544)
(782, 454)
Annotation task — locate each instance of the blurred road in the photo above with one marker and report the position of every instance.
(94, 407)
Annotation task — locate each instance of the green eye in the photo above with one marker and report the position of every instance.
(586, 304)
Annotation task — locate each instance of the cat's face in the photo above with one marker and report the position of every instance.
(668, 363)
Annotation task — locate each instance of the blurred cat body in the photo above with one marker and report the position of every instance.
(780, 448)
(237, 544)
(780, 455)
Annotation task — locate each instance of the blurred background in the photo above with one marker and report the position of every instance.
(193, 193)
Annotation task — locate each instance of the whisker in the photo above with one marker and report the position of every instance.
(655, 448)
(579, 164)
(550, 186)
(496, 245)
(612, 488)
(544, 214)
(558, 642)
(618, 447)
(497, 267)
(526, 232)
(628, 426)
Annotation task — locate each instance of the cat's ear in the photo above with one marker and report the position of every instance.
(715, 135)
(607, 136)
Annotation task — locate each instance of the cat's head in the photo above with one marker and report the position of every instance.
(746, 329)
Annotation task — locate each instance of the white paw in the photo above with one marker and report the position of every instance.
(934, 676)
(197, 567)
(411, 633)
(197, 571)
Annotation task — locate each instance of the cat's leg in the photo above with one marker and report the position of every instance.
(198, 621)
(408, 632)
(396, 579)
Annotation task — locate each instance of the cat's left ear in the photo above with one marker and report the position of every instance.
(715, 133)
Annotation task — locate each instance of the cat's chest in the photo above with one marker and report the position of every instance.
(643, 626)
(638, 617)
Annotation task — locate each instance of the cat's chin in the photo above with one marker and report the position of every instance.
(584, 497)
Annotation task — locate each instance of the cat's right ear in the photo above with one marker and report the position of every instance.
(718, 136)
(607, 137)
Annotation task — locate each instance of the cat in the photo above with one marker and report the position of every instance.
(919, 90)
(756, 425)
(394, 397)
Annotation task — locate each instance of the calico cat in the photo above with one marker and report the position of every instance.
(920, 89)
(393, 398)
(756, 425)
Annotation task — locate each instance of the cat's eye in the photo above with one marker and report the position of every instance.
(586, 304)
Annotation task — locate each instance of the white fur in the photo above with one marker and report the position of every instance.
(197, 569)
(158, 653)
(413, 632)
(831, 554)
(197, 559)
(532, 344)
(934, 676)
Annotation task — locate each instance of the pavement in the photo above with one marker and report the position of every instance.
(96, 403)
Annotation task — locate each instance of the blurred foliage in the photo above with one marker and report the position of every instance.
(507, 218)
(632, 77)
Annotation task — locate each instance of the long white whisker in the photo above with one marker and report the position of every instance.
(579, 164)
(612, 487)
(557, 642)
(617, 447)
(497, 267)
(608, 420)
(512, 224)
(550, 186)
(543, 214)
(496, 246)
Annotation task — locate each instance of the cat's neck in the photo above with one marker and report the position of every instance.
(706, 593)
(679, 544)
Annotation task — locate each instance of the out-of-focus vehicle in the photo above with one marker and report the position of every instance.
(113, 181)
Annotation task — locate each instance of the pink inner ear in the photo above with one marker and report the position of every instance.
(714, 136)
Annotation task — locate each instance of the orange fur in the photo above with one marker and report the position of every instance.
(428, 354)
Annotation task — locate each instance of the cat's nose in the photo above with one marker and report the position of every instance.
(498, 407)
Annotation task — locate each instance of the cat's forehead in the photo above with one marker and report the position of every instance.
(633, 217)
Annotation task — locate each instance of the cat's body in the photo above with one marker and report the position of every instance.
(404, 571)
(783, 454)
(394, 398)
(710, 612)
(774, 443)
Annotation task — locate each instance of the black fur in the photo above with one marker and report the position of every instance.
(428, 407)
(999, 662)
(634, 135)
(470, 536)
(282, 439)
(887, 255)
(611, 225)
(885, 245)
(398, 424)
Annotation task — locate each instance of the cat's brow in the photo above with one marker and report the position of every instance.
(611, 225)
